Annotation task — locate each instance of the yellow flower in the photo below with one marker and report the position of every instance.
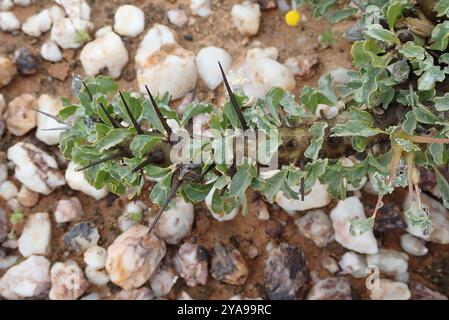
(292, 18)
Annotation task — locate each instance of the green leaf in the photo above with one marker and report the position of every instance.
(194, 109)
(318, 130)
(314, 170)
(425, 115)
(442, 7)
(162, 189)
(358, 143)
(443, 187)
(442, 103)
(394, 11)
(142, 144)
(377, 32)
(272, 101)
(361, 226)
(340, 15)
(412, 51)
(355, 128)
(380, 184)
(67, 111)
(440, 36)
(409, 124)
(113, 138)
(195, 192)
(420, 217)
(274, 184)
(242, 180)
(407, 145)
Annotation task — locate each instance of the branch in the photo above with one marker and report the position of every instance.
(50, 116)
(111, 120)
(159, 114)
(131, 116)
(111, 157)
(233, 100)
(156, 157)
(170, 196)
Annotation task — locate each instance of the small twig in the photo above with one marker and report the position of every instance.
(233, 100)
(88, 91)
(131, 116)
(177, 183)
(208, 169)
(155, 157)
(159, 114)
(56, 129)
(111, 157)
(111, 120)
(50, 116)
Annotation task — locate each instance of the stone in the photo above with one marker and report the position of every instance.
(228, 265)
(34, 168)
(200, 8)
(390, 262)
(7, 71)
(64, 32)
(51, 52)
(163, 280)
(440, 221)
(303, 66)
(8, 190)
(354, 264)
(413, 245)
(107, 52)
(330, 264)
(50, 105)
(133, 257)
(25, 61)
(255, 77)
(177, 17)
(331, 289)
(82, 236)
(8, 21)
(6, 5)
(316, 226)
(28, 279)
(129, 21)
(207, 63)
(191, 263)
(176, 223)
(76, 9)
(37, 24)
(96, 277)
(221, 216)
(246, 18)
(27, 198)
(68, 210)
(262, 53)
(390, 290)
(67, 281)
(7, 262)
(95, 257)
(20, 115)
(160, 57)
(422, 292)
(36, 235)
(136, 294)
(352, 208)
(285, 271)
(318, 197)
(77, 181)
(3, 226)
